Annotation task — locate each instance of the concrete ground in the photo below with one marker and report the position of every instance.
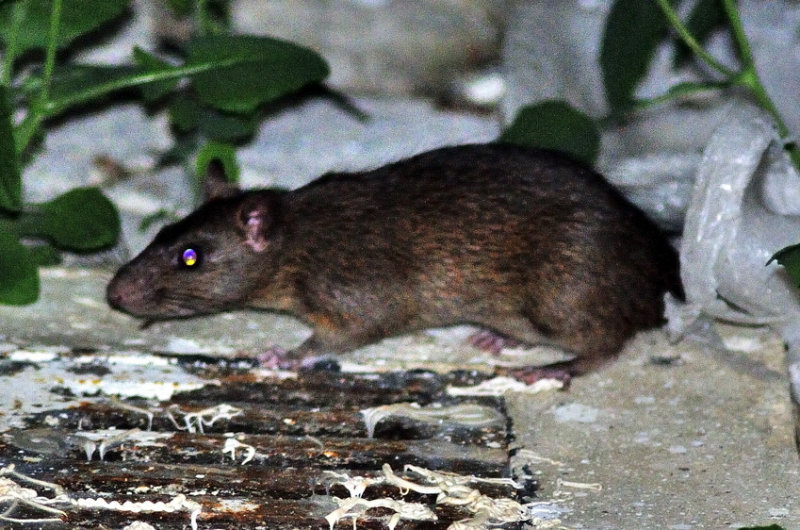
(669, 436)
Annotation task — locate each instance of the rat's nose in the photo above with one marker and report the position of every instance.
(115, 295)
(123, 291)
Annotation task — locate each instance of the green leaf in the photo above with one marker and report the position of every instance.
(162, 216)
(244, 72)
(185, 114)
(10, 178)
(555, 125)
(76, 84)
(188, 114)
(150, 63)
(181, 7)
(706, 16)
(690, 88)
(789, 258)
(232, 74)
(683, 90)
(82, 219)
(634, 28)
(19, 278)
(78, 17)
(184, 146)
(225, 153)
(45, 255)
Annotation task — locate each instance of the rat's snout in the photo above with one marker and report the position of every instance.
(115, 296)
(142, 293)
(116, 293)
(125, 293)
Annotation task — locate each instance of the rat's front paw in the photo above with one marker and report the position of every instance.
(277, 358)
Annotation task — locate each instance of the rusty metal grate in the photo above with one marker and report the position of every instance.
(257, 451)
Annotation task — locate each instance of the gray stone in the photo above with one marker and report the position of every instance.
(385, 46)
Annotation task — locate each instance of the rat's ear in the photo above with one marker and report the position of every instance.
(255, 217)
(216, 185)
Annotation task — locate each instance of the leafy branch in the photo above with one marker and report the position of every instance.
(213, 92)
(634, 30)
(747, 77)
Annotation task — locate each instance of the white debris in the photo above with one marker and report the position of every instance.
(105, 439)
(232, 444)
(499, 386)
(12, 494)
(468, 414)
(356, 507)
(449, 488)
(195, 421)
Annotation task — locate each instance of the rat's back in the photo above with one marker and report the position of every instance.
(526, 242)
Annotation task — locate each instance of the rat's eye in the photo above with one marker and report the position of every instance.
(190, 257)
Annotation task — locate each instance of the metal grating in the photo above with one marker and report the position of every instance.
(256, 451)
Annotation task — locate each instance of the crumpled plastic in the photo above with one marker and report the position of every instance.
(659, 183)
(745, 206)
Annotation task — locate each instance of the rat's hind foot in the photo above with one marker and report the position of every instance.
(531, 374)
(492, 342)
(563, 371)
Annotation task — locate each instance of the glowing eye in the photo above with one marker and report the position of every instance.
(189, 257)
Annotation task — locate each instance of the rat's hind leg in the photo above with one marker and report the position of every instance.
(592, 345)
(508, 331)
(562, 370)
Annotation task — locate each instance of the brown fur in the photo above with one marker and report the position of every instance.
(527, 243)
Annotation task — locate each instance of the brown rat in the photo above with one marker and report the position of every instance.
(527, 243)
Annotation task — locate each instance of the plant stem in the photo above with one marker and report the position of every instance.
(750, 79)
(18, 12)
(52, 48)
(27, 130)
(203, 20)
(738, 32)
(691, 42)
(681, 90)
(748, 76)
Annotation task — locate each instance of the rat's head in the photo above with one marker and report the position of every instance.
(208, 262)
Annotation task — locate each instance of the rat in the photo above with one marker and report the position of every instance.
(528, 244)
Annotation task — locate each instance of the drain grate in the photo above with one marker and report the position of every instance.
(259, 451)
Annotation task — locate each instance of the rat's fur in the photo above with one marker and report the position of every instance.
(527, 243)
